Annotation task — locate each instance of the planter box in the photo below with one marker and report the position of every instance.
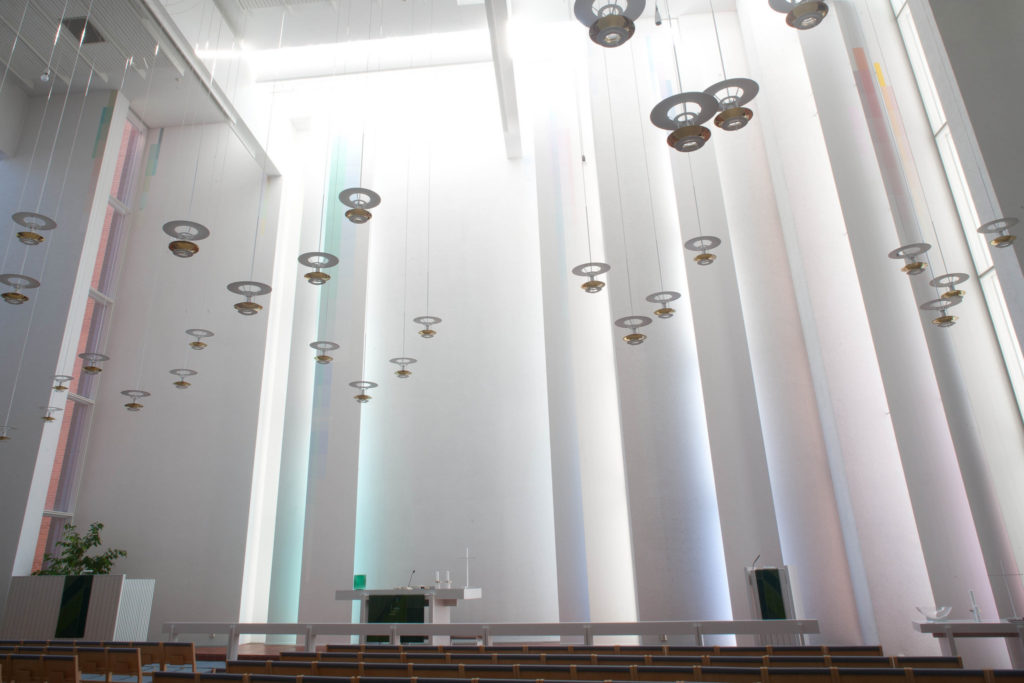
(102, 607)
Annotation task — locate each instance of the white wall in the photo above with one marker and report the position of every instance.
(172, 483)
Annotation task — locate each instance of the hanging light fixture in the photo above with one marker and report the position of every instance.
(611, 22)
(801, 14)
(950, 282)
(5, 432)
(181, 374)
(944, 319)
(317, 260)
(249, 289)
(363, 386)
(19, 282)
(589, 270)
(185, 234)
(49, 416)
(323, 347)
(663, 299)
(683, 115)
(633, 323)
(34, 223)
(703, 246)
(403, 372)
(360, 201)
(133, 405)
(93, 360)
(60, 382)
(910, 253)
(732, 94)
(1001, 229)
(199, 335)
(427, 321)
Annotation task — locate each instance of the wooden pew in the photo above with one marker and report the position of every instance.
(61, 669)
(799, 674)
(730, 674)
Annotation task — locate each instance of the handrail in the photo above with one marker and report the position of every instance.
(486, 632)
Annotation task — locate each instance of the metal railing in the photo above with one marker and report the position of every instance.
(486, 633)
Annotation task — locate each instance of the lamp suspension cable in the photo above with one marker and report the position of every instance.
(202, 129)
(405, 254)
(39, 134)
(53, 48)
(696, 204)
(583, 175)
(158, 273)
(266, 156)
(63, 109)
(46, 252)
(647, 168)
(430, 166)
(618, 184)
(332, 128)
(14, 45)
(718, 39)
(408, 187)
(62, 366)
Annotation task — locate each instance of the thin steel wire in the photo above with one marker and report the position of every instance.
(266, 158)
(618, 185)
(46, 253)
(32, 159)
(14, 44)
(430, 168)
(647, 168)
(583, 177)
(696, 204)
(63, 109)
(718, 39)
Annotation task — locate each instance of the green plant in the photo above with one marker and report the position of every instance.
(73, 548)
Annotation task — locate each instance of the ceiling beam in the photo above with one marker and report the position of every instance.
(159, 15)
(497, 24)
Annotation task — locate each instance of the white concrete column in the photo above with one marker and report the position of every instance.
(749, 526)
(869, 189)
(595, 559)
(332, 429)
(887, 566)
(305, 171)
(458, 455)
(673, 504)
(810, 530)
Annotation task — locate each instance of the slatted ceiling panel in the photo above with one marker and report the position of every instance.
(122, 26)
(123, 33)
(34, 41)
